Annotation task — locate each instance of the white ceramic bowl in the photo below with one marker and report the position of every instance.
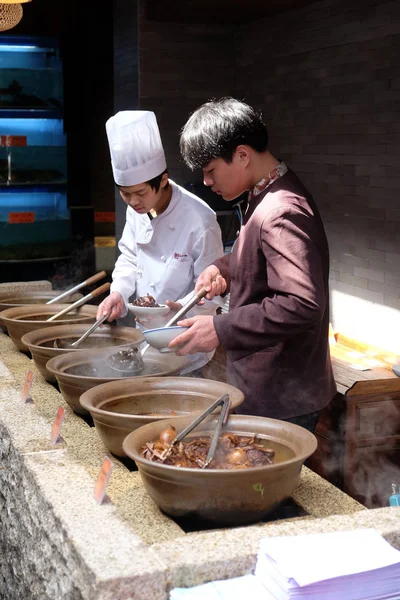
(149, 311)
(160, 338)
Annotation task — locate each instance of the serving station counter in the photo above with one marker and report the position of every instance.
(57, 542)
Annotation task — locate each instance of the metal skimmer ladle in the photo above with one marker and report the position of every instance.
(222, 419)
(128, 362)
(60, 343)
(131, 361)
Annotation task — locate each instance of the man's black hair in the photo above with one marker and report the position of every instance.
(217, 128)
(156, 181)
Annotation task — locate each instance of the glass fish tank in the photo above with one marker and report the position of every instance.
(33, 164)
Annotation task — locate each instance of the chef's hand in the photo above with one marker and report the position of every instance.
(212, 280)
(114, 305)
(201, 337)
(153, 322)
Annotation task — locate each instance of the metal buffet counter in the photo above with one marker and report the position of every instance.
(57, 543)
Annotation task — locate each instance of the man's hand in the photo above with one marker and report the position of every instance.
(201, 337)
(114, 305)
(212, 280)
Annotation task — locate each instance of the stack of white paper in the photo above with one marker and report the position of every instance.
(349, 565)
(239, 588)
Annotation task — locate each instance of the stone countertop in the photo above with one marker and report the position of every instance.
(22, 286)
(69, 547)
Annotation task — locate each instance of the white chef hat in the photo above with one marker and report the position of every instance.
(135, 145)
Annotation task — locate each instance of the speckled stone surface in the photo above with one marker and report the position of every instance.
(63, 545)
(20, 286)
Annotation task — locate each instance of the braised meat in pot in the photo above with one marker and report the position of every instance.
(233, 451)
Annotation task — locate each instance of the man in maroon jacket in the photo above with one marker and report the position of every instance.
(276, 331)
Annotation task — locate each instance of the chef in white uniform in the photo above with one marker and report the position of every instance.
(170, 235)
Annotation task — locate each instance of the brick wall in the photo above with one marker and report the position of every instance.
(180, 67)
(126, 79)
(327, 79)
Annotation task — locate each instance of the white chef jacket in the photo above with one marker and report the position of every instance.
(164, 256)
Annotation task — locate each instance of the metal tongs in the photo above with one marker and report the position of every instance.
(222, 419)
(120, 361)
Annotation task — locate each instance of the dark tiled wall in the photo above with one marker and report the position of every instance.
(126, 77)
(181, 66)
(327, 78)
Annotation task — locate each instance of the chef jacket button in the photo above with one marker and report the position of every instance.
(163, 258)
(172, 227)
(152, 285)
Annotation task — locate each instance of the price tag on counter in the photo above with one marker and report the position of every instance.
(27, 387)
(55, 431)
(102, 480)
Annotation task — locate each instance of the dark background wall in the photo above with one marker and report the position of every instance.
(327, 80)
(182, 65)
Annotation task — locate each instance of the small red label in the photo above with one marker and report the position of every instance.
(55, 431)
(21, 217)
(104, 217)
(13, 140)
(27, 386)
(102, 480)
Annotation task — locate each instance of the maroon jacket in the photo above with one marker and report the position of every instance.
(276, 331)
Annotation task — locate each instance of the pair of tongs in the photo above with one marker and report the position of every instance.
(222, 419)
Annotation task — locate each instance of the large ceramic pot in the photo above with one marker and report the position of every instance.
(79, 371)
(25, 298)
(23, 319)
(120, 407)
(232, 496)
(41, 342)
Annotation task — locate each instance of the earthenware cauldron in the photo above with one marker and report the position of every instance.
(224, 496)
(22, 319)
(26, 298)
(41, 342)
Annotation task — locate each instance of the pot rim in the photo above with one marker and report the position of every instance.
(95, 353)
(48, 334)
(31, 294)
(87, 403)
(6, 318)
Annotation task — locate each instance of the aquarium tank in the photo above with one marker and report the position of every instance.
(34, 214)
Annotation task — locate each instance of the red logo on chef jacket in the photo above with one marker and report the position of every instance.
(178, 256)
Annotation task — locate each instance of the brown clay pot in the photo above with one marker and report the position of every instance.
(26, 298)
(79, 371)
(122, 406)
(41, 342)
(22, 319)
(227, 497)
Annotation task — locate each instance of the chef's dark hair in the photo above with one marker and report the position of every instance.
(217, 128)
(156, 181)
